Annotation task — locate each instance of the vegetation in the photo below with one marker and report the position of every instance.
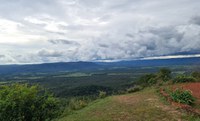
(21, 102)
(83, 95)
(148, 80)
(164, 74)
(139, 106)
(76, 104)
(182, 96)
(90, 90)
(184, 78)
(102, 94)
(196, 75)
(134, 89)
(103, 110)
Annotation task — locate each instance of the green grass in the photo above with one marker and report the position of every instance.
(145, 105)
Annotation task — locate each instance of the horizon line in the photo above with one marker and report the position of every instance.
(115, 60)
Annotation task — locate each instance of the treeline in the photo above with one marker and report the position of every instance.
(165, 76)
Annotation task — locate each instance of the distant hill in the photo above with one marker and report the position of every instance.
(185, 53)
(79, 66)
(47, 67)
(155, 62)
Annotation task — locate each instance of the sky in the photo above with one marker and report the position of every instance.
(43, 31)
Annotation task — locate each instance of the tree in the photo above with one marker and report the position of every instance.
(147, 80)
(183, 78)
(21, 102)
(196, 75)
(164, 74)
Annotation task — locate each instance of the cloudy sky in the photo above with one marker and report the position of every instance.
(38, 31)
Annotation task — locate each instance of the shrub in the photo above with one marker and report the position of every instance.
(196, 75)
(20, 102)
(120, 92)
(152, 81)
(164, 74)
(102, 94)
(182, 96)
(134, 89)
(147, 80)
(184, 78)
(76, 104)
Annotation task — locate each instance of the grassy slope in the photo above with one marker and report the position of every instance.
(141, 106)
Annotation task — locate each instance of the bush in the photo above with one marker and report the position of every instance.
(182, 96)
(184, 78)
(196, 75)
(147, 80)
(134, 89)
(120, 92)
(76, 104)
(102, 94)
(164, 74)
(20, 102)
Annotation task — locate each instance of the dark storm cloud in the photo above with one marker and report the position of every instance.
(2, 56)
(167, 33)
(195, 20)
(149, 41)
(103, 45)
(62, 41)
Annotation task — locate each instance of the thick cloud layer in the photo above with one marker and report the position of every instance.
(88, 30)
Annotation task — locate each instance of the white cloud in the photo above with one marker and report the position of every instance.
(96, 30)
(10, 33)
(171, 57)
(34, 20)
(50, 53)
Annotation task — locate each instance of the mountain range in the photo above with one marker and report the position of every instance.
(79, 66)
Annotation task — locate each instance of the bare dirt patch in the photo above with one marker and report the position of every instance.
(148, 103)
(194, 88)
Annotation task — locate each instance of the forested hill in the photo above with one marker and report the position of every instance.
(48, 67)
(80, 66)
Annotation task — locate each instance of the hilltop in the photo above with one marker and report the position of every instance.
(139, 106)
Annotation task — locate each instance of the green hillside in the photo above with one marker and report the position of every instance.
(145, 105)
